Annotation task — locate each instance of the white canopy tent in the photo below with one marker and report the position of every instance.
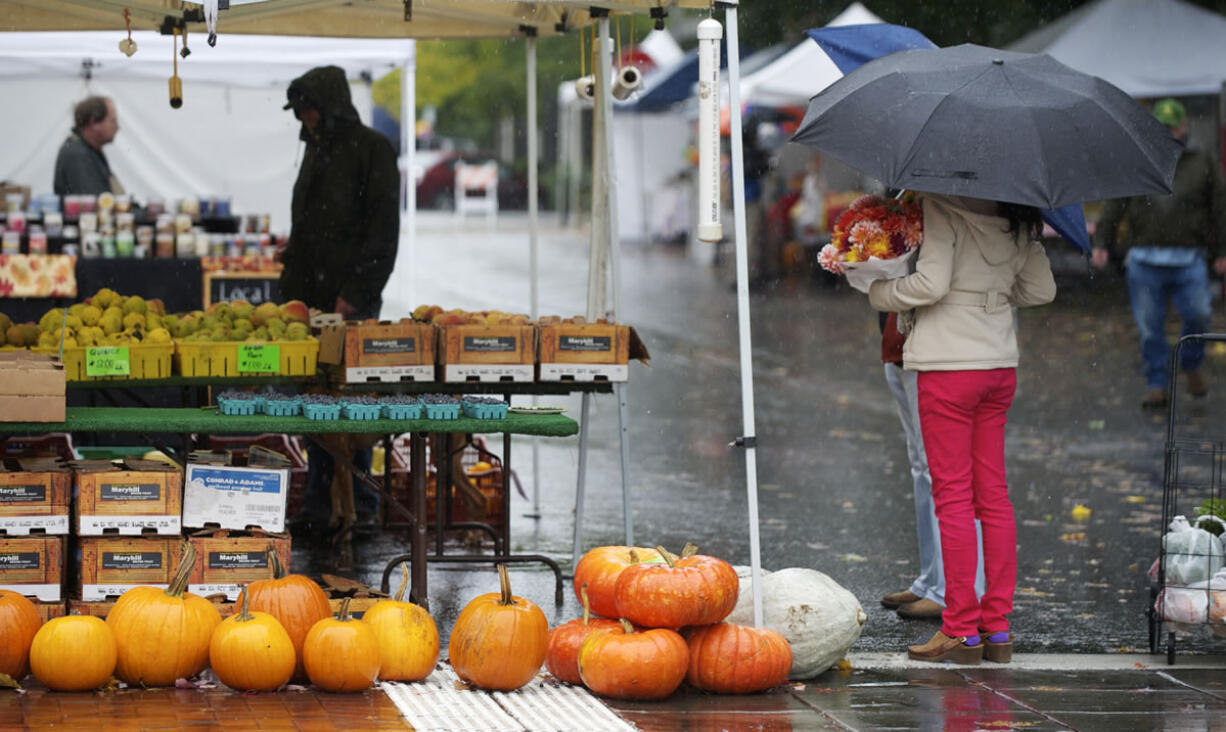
(1148, 48)
(231, 136)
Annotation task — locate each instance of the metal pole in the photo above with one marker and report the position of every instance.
(749, 439)
(408, 153)
(582, 484)
(533, 247)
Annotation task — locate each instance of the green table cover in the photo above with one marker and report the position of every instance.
(211, 421)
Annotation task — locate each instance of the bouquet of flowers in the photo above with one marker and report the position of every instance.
(875, 238)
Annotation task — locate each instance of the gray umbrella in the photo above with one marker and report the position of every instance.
(986, 123)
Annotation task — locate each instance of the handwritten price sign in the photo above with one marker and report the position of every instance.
(259, 359)
(107, 361)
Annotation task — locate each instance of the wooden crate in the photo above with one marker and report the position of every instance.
(111, 565)
(102, 608)
(35, 494)
(588, 351)
(487, 352)
(227, 560)
(33, 565)
(48, 610)
(139, 496)
(387, 351)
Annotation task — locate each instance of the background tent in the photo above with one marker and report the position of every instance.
(231, 137)
(1148, 48)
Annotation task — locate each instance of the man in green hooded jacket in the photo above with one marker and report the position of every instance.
(345, 227)
(345, 214)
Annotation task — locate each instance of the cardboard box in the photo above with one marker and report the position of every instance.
(35, 494)
(112, 565)
(48, 610)
(226, 561)
(488, 352)
(234, 497)
(102, 608)
(131, 498)
(31, 387)
(386, 351)
(588, 351)
(33, 565)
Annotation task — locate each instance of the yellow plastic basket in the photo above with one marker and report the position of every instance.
(146, 361)
(298, 358)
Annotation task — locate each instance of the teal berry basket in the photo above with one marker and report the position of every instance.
(485, 411)
(361, 411)
(402, 411)
(325, 412)
(238, 407)
(442, 411)
(282, 407)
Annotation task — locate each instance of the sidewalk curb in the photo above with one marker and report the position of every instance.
(1050, 662)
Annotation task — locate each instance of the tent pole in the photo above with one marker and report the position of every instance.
(408, 154)
(749, 440)
(533, 240)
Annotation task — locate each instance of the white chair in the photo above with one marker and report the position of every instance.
(476, 190)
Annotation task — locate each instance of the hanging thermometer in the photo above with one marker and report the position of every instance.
(709, 227)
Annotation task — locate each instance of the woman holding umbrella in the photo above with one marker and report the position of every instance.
(979, 260)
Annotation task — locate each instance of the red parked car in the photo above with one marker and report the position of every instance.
(436, 189)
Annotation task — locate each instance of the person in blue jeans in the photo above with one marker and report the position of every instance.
(925, 598)
(1168, 239)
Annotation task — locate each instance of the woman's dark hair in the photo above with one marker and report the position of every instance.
(1026, 219)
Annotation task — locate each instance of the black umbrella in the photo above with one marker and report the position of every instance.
(1000, 125)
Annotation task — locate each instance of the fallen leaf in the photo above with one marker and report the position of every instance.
(1134, 499)
(852, 558)
(1081, 513)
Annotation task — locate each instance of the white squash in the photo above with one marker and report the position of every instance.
(817, 616)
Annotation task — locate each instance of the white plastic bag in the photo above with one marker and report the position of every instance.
(1184, 605)
(1192, 554)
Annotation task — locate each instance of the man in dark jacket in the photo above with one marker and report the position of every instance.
(345, 227)
(1168, 237)
(345, 215)
(80, 166)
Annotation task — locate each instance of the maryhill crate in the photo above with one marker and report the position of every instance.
(102, 608)
(35, 494)
(588, 351)
(132, 498)
(386, 351)
(33, 565)
(227, 560)
(488, 352)
(112, 565)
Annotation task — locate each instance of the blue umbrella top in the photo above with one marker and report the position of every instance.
(851, 46)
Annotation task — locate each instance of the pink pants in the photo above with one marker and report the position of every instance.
(962, 417)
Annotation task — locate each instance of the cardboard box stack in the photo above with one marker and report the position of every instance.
(31, 387)
(34, 506)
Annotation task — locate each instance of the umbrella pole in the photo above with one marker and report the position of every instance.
(749, 440)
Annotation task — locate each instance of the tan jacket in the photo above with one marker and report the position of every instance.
(969, 275)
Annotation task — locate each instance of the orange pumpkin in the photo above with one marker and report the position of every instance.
(737, 659)
(687, 590)
(499, 640)
(19, 622)
(599, 569)
(341, 654)
(624, 664)
(251, 651)
(562, 652)
(73, 653)
(407, 636)
(163, 635)
(295, 600)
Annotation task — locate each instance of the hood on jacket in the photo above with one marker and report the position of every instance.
(991, 231)
(324, 88)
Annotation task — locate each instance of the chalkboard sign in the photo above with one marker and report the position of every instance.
(254, 287)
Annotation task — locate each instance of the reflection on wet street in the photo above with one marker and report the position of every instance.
(834, 485)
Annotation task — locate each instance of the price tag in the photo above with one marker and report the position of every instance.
(107, 361)
(262, 358)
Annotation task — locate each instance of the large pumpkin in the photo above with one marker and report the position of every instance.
(73, 653)
(737, 659)
(295, 600)
(341, 654)
(250, 651)
(163, 635)
(407, 636)
(599, 569)
(19, 622)
(499, 640)
(626, 664)
(562, 653)
(687, 590)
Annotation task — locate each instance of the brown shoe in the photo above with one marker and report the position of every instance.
(1153, 399)
(1197, 386)
(943, 648)
(999, 652)
(895, 600)
(921, 609)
